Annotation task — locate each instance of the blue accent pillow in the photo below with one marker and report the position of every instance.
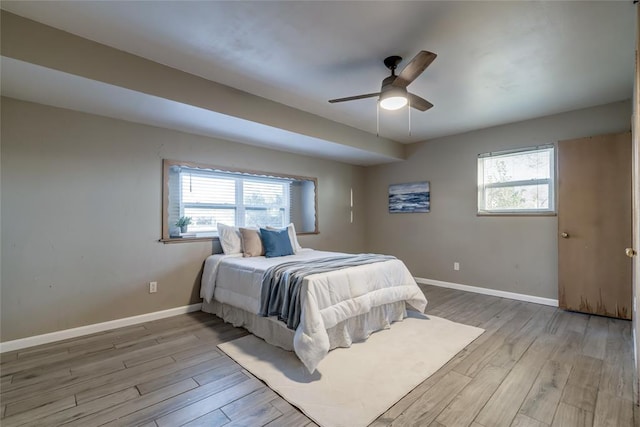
(276, 242)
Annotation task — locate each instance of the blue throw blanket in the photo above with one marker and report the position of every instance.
(281, 283)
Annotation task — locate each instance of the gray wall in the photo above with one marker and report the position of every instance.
(81, 216)
(80, 213)
(516, 254)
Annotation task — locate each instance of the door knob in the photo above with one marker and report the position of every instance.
(564, 235)
(630, 252)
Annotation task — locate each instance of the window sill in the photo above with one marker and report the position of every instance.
(211, 238)
(516, 214)
(187, 239)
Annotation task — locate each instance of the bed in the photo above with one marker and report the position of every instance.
(336, 307)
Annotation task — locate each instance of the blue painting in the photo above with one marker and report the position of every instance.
(410, 197)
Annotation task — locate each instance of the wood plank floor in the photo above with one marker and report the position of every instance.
(534, 366)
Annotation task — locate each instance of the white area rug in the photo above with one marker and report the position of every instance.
(354, 386)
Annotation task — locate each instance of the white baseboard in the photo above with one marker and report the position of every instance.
(487, 291)
(96, 327)
(127, 321)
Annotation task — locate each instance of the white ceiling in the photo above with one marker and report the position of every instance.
(498, 62)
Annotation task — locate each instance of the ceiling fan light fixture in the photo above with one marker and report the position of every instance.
(393, 102)
(393, 93)
(393, 98)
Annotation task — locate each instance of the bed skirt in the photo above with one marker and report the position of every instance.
(276, 332)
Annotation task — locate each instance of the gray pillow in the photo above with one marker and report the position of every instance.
(251, 242)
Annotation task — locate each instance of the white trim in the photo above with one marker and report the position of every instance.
(487, 291)
(96, 327)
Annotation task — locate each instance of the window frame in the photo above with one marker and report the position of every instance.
(166, 166)
(551, 182)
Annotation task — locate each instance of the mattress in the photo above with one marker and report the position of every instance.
(240, 278)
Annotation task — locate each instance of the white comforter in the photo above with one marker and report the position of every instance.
(327, 299)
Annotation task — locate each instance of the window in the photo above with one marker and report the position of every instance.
(517, 182)
(208, 195)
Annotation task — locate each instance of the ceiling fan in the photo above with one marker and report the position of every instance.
(393, 93)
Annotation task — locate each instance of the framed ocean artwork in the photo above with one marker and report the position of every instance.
(411, 197)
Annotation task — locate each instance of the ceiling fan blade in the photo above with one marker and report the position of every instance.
(419, 103)
(414, 68)
(352, 98)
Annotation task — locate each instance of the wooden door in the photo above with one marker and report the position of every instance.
(594, 225)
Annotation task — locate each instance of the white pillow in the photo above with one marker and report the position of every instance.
(293, 237)
(291, 230)
(229, 239)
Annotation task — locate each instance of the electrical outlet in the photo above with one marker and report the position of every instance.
(153, 287)
(456, 266)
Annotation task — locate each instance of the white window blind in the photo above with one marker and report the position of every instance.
(266, 202)
(209, 197)
(517, 182)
